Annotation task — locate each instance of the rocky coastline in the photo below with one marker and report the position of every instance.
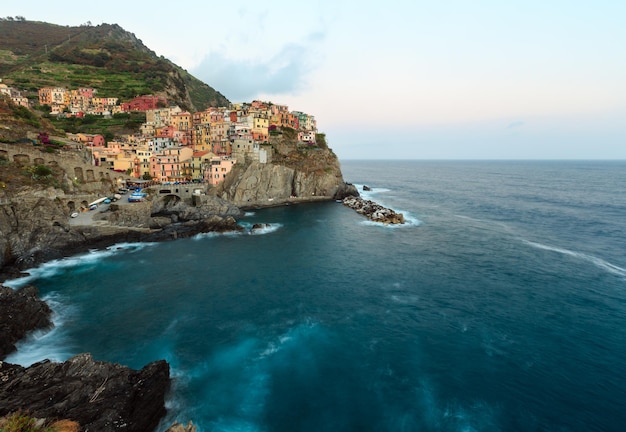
(99, 396)
(96, 395)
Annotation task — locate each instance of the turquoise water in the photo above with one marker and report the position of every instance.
(500, 306)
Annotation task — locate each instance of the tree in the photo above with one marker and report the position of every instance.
(146, 176)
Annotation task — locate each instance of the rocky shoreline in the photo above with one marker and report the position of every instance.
(95, 395)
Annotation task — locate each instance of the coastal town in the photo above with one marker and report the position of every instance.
(174, 145)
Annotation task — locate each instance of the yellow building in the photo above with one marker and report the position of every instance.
(182, 121)
(201, 139)
(200, 162)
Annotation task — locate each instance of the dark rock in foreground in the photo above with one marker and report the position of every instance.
(100, 396)
(373, 211)
(21, 311)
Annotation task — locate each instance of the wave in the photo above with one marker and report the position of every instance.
(598, 262)
(206, 235)
(249, 213)
(267, 229)
(50, 343)
(487, 222)
(409, 219)
(373, 191)
(91, 258)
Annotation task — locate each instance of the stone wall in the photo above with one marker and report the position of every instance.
(74, 164)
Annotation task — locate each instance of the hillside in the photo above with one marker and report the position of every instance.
(106, 57)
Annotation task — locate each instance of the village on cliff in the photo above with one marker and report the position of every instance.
(175, 145)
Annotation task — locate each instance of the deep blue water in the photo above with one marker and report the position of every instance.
(501, 306)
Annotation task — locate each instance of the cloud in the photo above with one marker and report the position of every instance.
(515, 124)
(285, 72)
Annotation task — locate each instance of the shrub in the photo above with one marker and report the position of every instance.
(19, 422)
(320, 140)
(42, 171)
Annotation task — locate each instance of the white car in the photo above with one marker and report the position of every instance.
(75, 214)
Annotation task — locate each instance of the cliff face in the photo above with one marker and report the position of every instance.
(36, 228)
(297, 173)
(99, 396)
(28, 226)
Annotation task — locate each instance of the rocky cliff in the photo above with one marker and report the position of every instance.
(296, 173)
(37, 229)
(99, 396)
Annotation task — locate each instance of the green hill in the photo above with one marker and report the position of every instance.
(106, 57)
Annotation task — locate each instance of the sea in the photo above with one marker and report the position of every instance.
(500, 305)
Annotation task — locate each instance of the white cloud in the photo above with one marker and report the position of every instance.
(285, 72)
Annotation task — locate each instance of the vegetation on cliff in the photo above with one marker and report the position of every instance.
(106, 57)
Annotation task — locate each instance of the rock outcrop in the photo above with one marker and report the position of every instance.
(294, 173)
(21, 311)
(37, 229)
(266, 184)
(374, 211)
(100, 396)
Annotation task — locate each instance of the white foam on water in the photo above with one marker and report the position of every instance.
(368, 194)
(51, 343)
(91, 258)
(598, 262)
(409, 219)
(202, 236)
(266, 229)
(213, 234)
(290, 336)
(434, 413)
(485, 223)
(249, 213)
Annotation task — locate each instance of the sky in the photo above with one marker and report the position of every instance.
(401, 79)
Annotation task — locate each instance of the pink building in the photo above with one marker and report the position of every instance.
(171, 165)
(219, 167)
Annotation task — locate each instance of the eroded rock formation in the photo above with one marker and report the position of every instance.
(100, 396)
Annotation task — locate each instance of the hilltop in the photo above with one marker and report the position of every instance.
(36, 54)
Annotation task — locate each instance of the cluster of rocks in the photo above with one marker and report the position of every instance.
(99, 396)
(373, 211)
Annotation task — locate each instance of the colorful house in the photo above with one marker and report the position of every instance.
(219, 167)
(144, 103)
(172, 165)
